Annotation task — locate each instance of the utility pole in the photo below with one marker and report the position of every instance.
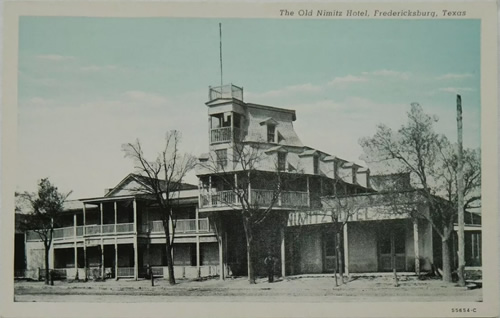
(220, 52)
(460, 197)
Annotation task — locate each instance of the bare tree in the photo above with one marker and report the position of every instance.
(238, 175)
(46, 207)
(416, 149)
(163, 180)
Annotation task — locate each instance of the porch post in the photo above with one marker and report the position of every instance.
(74, 245)
(85, 259)
(101, 208)
(84, 218)
(221, 257)
(209, 190)
(102, 258)
(197, 244)
(116, 259)
(346, 250)
(416, 247)
(308, 194)
(115, 206)
(283, 268)
(136, 252)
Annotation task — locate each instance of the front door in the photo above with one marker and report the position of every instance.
(391, 249)
(329, 253)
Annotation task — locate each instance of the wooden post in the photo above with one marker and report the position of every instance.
(283, 263)
(460, 197)
(198, 244)
(101, 208)
(102, 259)
(74, 246)
(221, 257)
(136, 252)
(84, 218)
(308, 193)
(85, 259)
(115, 206)
(416, 247)
(346, 250)
(116, 259)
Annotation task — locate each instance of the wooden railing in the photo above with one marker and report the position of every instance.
(259, 197)
(95, 229)
(182, 226)
(220, 135)
(125, 272)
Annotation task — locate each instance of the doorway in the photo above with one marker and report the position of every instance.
(391, 248)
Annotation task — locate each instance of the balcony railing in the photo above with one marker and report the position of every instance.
(89, 230)
(258, 197)
(221, 135)
(225, 91)
(182, 226)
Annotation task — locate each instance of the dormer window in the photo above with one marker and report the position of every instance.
(281, 161)
(271, 133)
(316, 164)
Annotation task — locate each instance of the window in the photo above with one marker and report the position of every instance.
(221, 157)
(316, 164)
(271, 133)
(281, 161)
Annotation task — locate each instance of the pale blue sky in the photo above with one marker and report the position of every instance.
(87, 85)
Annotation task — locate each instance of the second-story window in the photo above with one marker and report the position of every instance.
(271, 133)
(316, 164)
(221, 157)
(281, 161)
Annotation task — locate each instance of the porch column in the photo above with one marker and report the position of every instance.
(74, 245)
(84, 218)
(136, 252)
(283, 268)
(308, 193)
(102, 258)
(221, 258)
(101, 208)
(115, 206)
(346, 250)
(209, 190)
(197, 244)
(85, 259)
(116, 259)
(415, 246)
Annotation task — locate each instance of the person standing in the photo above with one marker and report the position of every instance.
(269, 262)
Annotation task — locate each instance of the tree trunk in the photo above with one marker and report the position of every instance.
(251, 273)
(47, 271)
(339, 258)
(446, 260)
(168, 247)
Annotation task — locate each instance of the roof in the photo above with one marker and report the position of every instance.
(143, 181)
(277, 109)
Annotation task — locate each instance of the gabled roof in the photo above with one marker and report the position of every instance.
(309, 152)
(268, 121)
(142, 180)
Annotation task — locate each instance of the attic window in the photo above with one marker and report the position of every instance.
(281, 161)
(271, 133)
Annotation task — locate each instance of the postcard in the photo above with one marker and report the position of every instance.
(249, 159)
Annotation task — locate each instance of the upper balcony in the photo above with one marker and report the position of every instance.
(183, 226)
(225, 92)
(258, 197)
